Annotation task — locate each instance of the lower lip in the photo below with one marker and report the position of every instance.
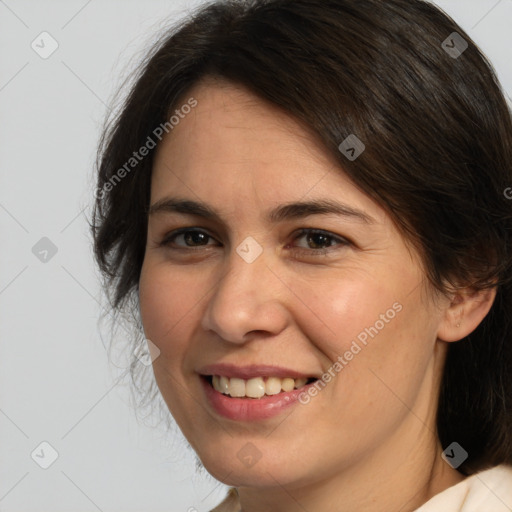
(251, 409)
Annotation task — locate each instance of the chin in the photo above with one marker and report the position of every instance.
(230, 470)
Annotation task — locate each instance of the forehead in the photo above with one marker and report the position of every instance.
(232, 124)
(235, 146)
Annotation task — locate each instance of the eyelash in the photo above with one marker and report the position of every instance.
(342, 242)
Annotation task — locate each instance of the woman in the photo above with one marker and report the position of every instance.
(303, 199)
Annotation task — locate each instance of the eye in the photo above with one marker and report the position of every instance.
(318, 242)
(189, 236)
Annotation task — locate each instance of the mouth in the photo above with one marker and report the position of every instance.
(256, 387)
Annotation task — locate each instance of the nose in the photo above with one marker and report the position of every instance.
(247, 298)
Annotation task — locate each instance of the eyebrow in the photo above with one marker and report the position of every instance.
(288, 211)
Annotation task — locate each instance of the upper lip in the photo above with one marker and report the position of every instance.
(251, 371)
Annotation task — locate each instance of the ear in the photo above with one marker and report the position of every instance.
(464, 312)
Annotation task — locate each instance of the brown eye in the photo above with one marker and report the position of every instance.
(319, 241)
(187, 237)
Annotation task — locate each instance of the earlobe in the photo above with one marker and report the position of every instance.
(464, 313)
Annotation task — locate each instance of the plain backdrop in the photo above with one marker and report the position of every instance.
(56, 383)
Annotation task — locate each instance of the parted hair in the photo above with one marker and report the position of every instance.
(438, 157)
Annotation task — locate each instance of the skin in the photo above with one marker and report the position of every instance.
(367, 441)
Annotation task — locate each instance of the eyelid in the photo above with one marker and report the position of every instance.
(318, 231)
(167, 238)
(341, 241)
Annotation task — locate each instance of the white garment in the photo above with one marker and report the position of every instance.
(487, 491)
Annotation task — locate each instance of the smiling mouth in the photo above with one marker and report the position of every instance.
(256, 387)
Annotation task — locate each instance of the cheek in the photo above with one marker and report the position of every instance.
(387, 351)
(373, 325)
(167, 302)
(344, 311)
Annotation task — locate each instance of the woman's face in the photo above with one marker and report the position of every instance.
(279, 284)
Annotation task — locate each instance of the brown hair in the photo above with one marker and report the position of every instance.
(438, 136)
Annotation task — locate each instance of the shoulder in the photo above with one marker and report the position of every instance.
(489, 490)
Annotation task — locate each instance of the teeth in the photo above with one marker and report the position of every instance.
(288, 384)
(236, 387)
(300, 382)
(223, 385)
(273, 386)
(256, 387)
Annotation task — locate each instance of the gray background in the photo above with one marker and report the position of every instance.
(56, 383)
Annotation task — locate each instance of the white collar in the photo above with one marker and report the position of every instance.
(487, 491)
